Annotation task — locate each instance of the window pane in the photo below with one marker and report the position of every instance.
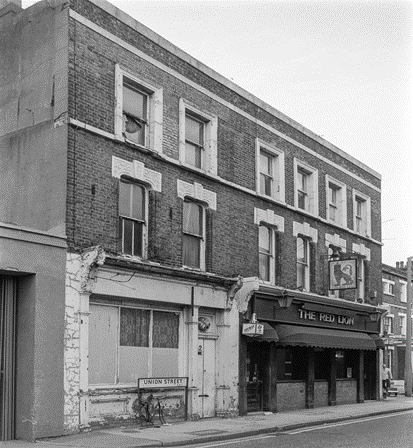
(127, 236)
(191, 251)
(302, 200)
(192, 218)
(165, 362)
(265, 163)
(138, 202)
(103, 332)
(124, 198)
(264, 267)
(165, 330)
(301, 275)
(302, 180)
(137, 238)
(134, 327)
(133, 364)
(264, 239)
(265, 185)
(332, 212)
(194, 131)
(133, 129)
(301, 250)
(333, 195)
(134, 102)
(193, 155)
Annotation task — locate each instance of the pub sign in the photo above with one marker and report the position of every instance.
(343, 274)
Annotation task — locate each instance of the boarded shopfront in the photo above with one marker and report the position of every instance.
(312, 351)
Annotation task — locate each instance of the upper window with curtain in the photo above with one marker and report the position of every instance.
(138, 111)
(132, 218)
(193, 245)
(306, 187)
(266, 253)
(194, 141)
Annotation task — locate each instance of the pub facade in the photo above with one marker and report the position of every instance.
(306, 350)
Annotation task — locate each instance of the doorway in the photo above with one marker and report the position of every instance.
(370, 375)
(8, 299)
(257, 357)
(206, 377)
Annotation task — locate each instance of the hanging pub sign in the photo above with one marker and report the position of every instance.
(253, 329)
(343, 274)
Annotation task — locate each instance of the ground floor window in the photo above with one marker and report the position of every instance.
(292, 363)
(128, 343)
(346, 362)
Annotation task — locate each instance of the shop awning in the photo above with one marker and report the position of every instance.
(270, 335)
(377, 340)
(323, 337)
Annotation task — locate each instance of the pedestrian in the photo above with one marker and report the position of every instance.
(386, 377)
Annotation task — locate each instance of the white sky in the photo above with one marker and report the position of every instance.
(340, 68)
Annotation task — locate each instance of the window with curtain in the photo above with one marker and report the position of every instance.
(193, 235)
(266, 253)
(135, 112)
(132, 218)
(303, 264)
(130, 343)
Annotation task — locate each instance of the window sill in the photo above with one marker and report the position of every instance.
(270, 198)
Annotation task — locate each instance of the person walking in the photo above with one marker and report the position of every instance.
(386, 377)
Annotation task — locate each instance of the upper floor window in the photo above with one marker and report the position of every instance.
(403, 326)
(388, 287)
(303, 264)
(135, 112)
(193, 246)
(388, 324)
(403, 291)
(194, 141)
(132, 218)
(266, 253)
(336, 202)
(139, 111)
(270, 169)
(306, 187)
(197, 138)
(361, 212)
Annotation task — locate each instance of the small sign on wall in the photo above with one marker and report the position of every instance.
(253, 329)
(343, 274)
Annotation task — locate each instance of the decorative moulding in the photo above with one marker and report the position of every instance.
(335, 240)
(268, 217)
(197, 191)
(305, 229)
(362, 250)
(136, 170)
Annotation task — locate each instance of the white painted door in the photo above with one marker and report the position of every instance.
(206, 377)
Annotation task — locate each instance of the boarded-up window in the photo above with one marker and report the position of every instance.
(130, 343)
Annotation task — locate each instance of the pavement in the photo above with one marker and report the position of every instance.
(217, 429)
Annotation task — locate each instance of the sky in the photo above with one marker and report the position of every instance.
(342, 69)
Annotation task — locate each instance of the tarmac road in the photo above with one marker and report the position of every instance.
(385, 431)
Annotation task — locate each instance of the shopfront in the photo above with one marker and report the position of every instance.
(309, 351)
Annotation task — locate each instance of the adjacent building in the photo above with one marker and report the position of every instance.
(394, 323)
(159, 221)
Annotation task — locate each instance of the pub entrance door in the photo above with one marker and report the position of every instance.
(8, 292)
(370, 375)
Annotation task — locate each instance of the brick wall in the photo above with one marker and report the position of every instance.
(346, 391)
(92, 213)
(290, 395)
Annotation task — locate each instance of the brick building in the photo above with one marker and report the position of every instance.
(185, 207)
(394, 322)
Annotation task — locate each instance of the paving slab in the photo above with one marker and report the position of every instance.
(215, 429)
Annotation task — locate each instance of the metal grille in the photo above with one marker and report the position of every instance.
(8, 290)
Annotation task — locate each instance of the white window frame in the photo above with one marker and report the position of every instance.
(209, 156)
(361, 279)
(271, 229)
(341, 201)
(387, 283)
(403, 323)
(202, 254)
(366, 219)
(307, 266)
(151, 309)
(153, 136)
(312, 190)
(145, 224)
(278, 170)
(391, 321)
(403, 291)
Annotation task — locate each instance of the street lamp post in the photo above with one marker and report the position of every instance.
(408, 355)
